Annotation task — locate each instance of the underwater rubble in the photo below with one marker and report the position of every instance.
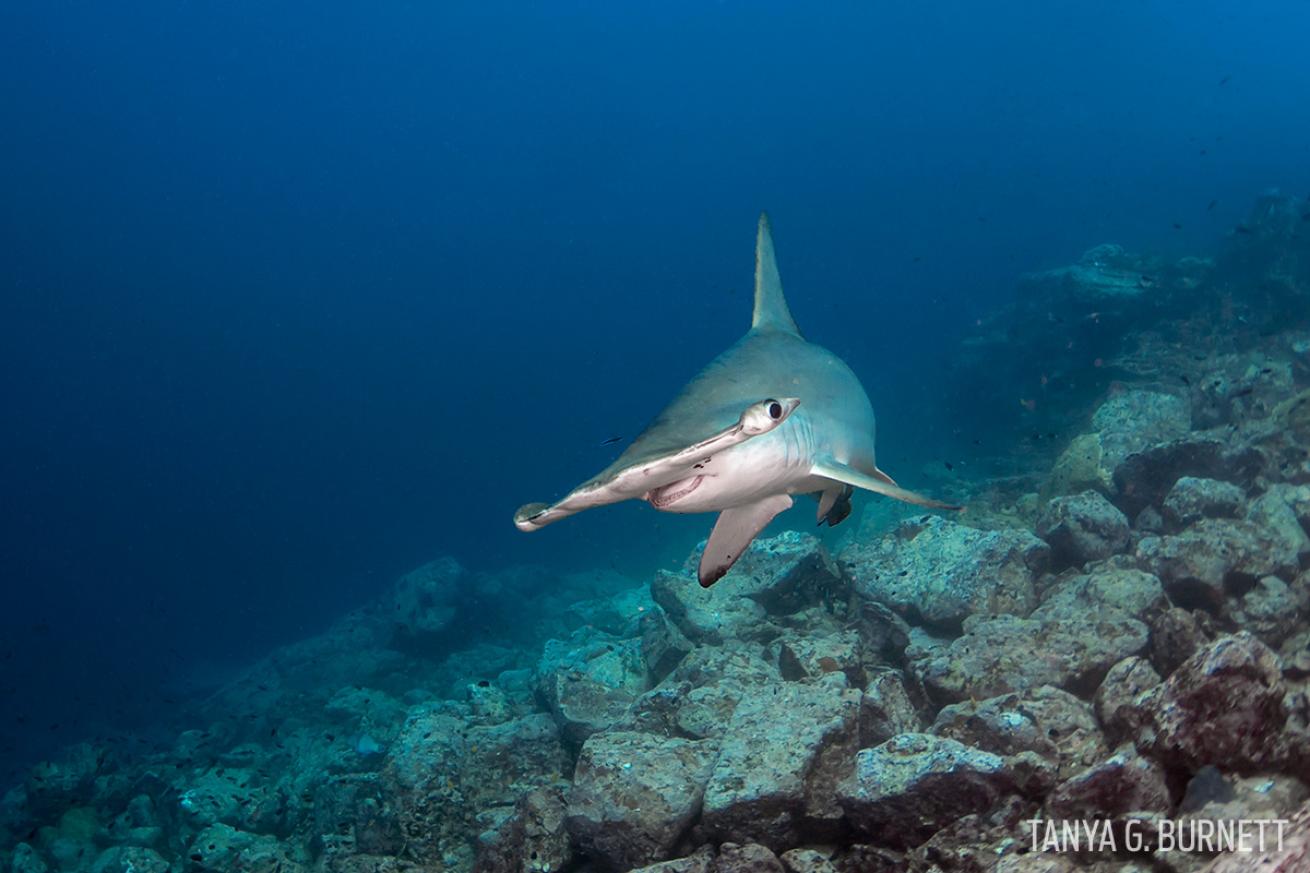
(1126, 640)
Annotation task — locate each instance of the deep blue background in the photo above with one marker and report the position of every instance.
(295, 296)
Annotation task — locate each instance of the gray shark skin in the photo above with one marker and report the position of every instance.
(772, 416)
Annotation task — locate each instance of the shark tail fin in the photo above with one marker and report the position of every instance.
(838, 472)
(771, 311)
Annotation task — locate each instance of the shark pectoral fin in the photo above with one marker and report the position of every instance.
(831, 469)
(733, 533)
(835, 505)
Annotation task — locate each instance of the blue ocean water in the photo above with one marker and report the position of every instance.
(296, 297)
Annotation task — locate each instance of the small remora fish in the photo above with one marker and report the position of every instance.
(611, 441)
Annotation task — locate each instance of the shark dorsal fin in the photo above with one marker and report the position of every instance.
(771, 311)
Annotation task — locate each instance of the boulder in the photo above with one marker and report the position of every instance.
(1213, 794)
(588, 681)
(974, 842)
(25, 859)
(424, 601)
(776, 576)
(1117, 698)
(1176, 634)
(1047, 721)
(806, 655)
(440, 774)
(938, 571)
(222, 848)
(1239, 388)
(747, 858)
(712, 680)
(1103, 589)
(866, 858)
(1200, 566)
(904, 790)
(886, 709)
(1223, 705)
(137, 859)
(807, 861)
(1193, 498)
(1127, 422)
(233, 795)
(1123, 783)
(1082, 527)
(1272, 609)
(54, 786)
(1144, 478)
(1001, 654)
(1044, 863)
(1105, 275)
(1281, 513)
(700, 861)
(1291, 855)
(502, 761)
(635, 795)
(621, 614)
(663, 646)
(1295, 651)
(782, 753)
(706, 615)
(357, 805)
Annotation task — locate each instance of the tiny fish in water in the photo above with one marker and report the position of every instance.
(1224, 81)
(1242, 228)
(1212, 205)
(1177, 226)
(1186, 381)
(949, 465)
(611, 441)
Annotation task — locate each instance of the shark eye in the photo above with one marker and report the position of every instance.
(775, 410)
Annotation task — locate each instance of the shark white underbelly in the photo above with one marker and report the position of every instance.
(779, 462)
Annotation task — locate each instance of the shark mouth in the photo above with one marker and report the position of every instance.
(670, 494)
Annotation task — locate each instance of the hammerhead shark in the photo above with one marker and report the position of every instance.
(772, 416)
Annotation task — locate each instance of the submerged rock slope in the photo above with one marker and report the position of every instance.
(1126, 641)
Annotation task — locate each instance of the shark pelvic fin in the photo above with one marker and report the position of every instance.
(771, 312)
(733, 533)
(838, 472)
